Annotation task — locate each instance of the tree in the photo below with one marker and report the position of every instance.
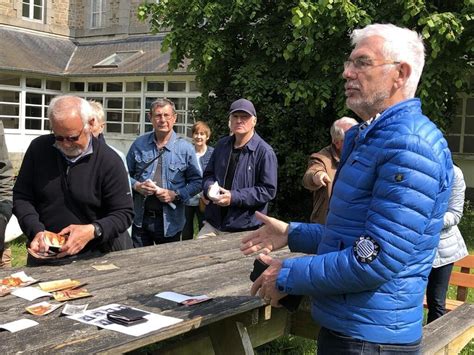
(286, 56)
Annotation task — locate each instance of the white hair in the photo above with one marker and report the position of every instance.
(61, 107)
(337, 129)
(400, 45)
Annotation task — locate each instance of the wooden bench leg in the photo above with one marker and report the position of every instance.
(230, 337)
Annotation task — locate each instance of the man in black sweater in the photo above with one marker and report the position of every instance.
(73, 184)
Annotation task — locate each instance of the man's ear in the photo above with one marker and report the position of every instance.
(404, 72)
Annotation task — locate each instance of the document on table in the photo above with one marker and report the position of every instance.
(18, 325)
(30, 293)
(98, 318)
(183, 299)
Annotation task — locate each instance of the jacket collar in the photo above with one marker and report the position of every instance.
(152, 140)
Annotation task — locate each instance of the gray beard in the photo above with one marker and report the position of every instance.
(370, 106)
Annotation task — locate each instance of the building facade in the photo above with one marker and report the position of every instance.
(97, 49)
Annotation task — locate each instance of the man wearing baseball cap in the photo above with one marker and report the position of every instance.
(244, 167)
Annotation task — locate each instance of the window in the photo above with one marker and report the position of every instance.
(33, 9)
(10, 108)
(118, 58)
(460, 136)
(127, 102)
(97, 13)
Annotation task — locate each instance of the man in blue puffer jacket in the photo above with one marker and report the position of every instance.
(375, 252)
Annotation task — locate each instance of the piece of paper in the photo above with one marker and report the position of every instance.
(18, 325)
(183, 299)
(73, 294)
(10, 283)
(42, 308)
(101, 267)
(98, 317)
(72, 309)
(58, 285)
(30, 293)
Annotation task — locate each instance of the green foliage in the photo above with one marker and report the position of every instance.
(286, 56)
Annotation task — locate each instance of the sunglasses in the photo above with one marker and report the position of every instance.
(70, 138)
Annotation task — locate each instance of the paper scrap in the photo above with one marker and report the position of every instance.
(72, 309)
(58, 285)
(30, 293)
(102, 267)
(183, 299)
(42, 308)
(18, 325)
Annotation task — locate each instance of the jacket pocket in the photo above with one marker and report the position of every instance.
(176, 172)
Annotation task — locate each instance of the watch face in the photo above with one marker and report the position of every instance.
(97, 230)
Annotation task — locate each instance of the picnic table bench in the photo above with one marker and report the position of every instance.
(232, 323)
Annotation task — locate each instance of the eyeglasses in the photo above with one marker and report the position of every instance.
(363, 63)
(70, 138)
(166, 116)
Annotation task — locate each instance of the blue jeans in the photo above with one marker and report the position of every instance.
(333, 343)
(436, 291)
(152, 231)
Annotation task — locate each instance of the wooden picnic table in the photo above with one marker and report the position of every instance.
(232, 323)
(214, 267)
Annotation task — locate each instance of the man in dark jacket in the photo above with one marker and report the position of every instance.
(245, 168)
(72, 184)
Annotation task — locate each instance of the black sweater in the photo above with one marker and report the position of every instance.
(50, 195)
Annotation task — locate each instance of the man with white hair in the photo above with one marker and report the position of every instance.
(368, 266)
(72, 184)
(322, 168)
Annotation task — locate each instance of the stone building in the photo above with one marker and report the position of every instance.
(97, 49)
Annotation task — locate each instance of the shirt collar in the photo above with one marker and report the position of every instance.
(89, 150)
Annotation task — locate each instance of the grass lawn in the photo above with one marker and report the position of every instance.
(293, 345)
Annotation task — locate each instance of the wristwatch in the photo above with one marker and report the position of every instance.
(177, 198)
(97, 230)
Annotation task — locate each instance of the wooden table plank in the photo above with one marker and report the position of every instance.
(214, 267)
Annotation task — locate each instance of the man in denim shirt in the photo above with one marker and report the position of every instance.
(164, 173)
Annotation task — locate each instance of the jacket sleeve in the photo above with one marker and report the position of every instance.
(208, 176)
(454, 213)
(116, 198)
(315, 165)
(6, 184)
(131, 164)
(304, 237)
(193, 177)
(24, 197)
(265, 186)
(399, 214)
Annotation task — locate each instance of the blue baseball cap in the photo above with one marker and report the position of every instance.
(243, 105)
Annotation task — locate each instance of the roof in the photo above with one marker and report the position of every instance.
(49, 54)
(24, 51)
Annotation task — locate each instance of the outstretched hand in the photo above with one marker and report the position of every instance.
(273, 235)
(265, 284)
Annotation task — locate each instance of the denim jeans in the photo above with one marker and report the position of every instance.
(152, 232)
(333, 343)
(436, 291)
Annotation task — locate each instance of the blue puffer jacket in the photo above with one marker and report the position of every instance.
(393, 186)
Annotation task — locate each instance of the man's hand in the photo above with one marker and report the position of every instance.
(223, 199)
(145, 188)
(165, 195)
(38, 245)
(273, 235)
(79, 236)
(321, 178)
(265, 285)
